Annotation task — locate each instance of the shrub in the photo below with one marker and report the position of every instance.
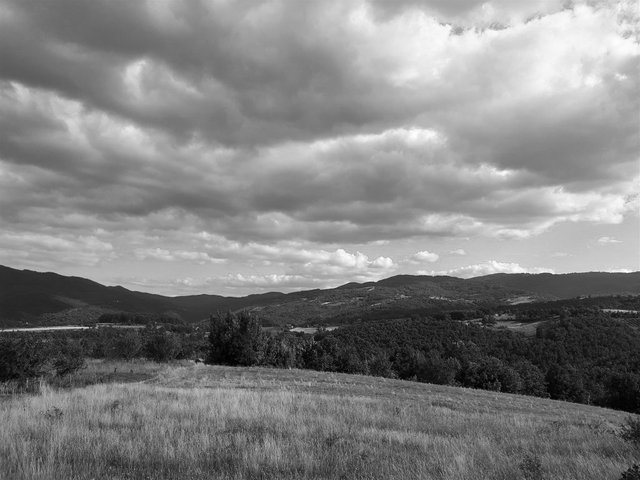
(22, 357)
(163, 346)
(67, 358)
(632, 474)
(631, 431)
(126, 346)
(531, 467)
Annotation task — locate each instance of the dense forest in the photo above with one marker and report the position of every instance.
(584, 355)
(588, 357)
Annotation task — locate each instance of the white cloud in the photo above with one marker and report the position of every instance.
(487, 268)
(270, 281)
(425, 256)
(608, 240)
(176, 255)
(459, 251)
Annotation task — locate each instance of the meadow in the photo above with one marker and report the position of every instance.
(137, 420)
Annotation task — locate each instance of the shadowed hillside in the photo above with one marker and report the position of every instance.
(567, 285)
(35, 298)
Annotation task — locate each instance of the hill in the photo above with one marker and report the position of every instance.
(36, 298)
(567, 285)
(197, 422)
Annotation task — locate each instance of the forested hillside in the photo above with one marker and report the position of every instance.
(30, 298)
(591, 358)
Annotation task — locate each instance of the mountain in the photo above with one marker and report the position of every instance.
(48, 299)
(567, 285)
(36, 298)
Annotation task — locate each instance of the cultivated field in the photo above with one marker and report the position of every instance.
(199, 422)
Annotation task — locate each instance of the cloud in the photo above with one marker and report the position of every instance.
(494, 14)
(38, 250)
(459, 251)
(608, 241)
(425, 256)
(268, 281)
(321, 124)
(176, 255)
(488, 268)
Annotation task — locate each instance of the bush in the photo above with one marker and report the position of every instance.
(67, 358)
(631, 431)
(632, 474)
(531, 467)
(163, 346)
(22, 357)
(125, 346)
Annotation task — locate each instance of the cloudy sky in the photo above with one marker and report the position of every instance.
(230, 147)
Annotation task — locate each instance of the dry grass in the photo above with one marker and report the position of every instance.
(526, 328)
(94, 371)
(197, 421)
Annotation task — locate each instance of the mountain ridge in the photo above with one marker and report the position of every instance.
(30, 297)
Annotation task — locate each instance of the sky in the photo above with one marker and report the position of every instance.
(234, 147)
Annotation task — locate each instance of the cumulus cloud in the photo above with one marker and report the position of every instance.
(425, 256)
(488, 268)
(459, 251)
(608, 241)
(327, 124)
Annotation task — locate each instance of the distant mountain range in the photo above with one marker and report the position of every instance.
(35, 298)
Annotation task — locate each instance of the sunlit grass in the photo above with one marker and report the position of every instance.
(227, 423)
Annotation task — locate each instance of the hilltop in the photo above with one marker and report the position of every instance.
(36, 298)
(197, 422)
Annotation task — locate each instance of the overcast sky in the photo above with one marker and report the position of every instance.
(231, 147)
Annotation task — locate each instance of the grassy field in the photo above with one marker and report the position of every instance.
(200, 422)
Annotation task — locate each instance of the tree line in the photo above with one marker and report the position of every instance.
(585, 356)
(591, 359)
(28, 355)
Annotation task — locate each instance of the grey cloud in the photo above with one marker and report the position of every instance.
(260, 121)
(256, 72)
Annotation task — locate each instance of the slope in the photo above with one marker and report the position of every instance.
(242, 423)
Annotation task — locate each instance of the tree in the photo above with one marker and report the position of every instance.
(26, 356)
(437, 370)
(236, 339)
(21, 357)
(565, 383)
(126, 345)
(489, 373)
(533, 382)
(163, 346)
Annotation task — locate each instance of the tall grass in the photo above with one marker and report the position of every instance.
(212, 422)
